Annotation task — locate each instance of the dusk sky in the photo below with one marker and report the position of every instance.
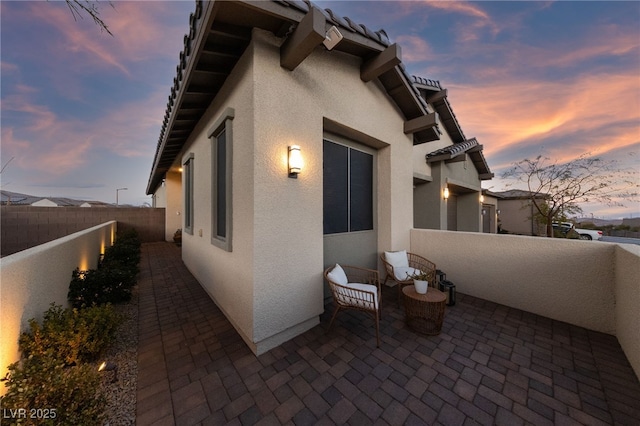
(82, 111)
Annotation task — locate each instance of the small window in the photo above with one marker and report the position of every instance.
(187, 173)
(221, 143)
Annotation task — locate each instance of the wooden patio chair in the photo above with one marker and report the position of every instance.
(355, 288)
(401, 265)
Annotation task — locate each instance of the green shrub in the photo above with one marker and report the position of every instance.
(71, 335)
(111, 283)
(51, 393)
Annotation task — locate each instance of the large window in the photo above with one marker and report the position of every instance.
(187, 174)
(348, 189)
(221, 138)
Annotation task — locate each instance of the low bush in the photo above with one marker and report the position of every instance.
(114, 279)
(43, 391)
(71, 335)
(100, 286)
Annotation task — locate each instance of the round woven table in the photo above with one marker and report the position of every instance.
(424, 313)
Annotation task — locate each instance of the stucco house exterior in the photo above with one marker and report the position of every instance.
(449, 171)
(517, 213)
(258, 78)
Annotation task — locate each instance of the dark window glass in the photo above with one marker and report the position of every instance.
(336, 188)
(188, 195)
(348, 189)
(221, 185)
(361, 177)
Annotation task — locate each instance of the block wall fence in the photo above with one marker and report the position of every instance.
(23, 227)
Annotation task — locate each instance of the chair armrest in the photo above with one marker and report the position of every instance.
(361, 275)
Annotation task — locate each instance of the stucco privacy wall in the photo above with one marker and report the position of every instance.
(34, 278)
(627, 271)
(566, 280)
(270, 285)
(589, 284)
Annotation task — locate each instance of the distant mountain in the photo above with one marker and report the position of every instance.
(598, 222)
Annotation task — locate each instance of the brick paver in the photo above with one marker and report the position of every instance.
(490, 365)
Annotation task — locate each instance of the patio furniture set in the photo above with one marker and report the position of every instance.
(360, 289)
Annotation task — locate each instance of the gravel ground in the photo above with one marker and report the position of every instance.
(121, 395)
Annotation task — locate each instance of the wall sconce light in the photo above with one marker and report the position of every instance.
(295, 161)
(445, 193)
(481, 198)
(110, 366)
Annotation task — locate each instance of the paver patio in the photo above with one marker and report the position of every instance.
(490, 365)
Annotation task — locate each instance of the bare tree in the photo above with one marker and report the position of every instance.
(78, 7)
(559, 189)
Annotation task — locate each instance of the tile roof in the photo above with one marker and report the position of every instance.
(452, 151)
(18, 199)
(276, 16)
(471, 147)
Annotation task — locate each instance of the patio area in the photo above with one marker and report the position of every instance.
(490, 365)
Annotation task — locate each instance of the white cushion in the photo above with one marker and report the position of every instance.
(353, 294)
(337, 275)
(405, 273)
(397, 259)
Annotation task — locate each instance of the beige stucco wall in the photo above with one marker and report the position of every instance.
(159, 197)
(173, 203)
(567, 280)
(627, 272)
(590, 284)
(34, 278)
(515, 216)
(270, 285)
(228, 277)
(430, 210)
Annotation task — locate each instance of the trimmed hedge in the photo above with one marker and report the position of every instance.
(55, 383)
(71, 335)
(115, 277)
(52, 394)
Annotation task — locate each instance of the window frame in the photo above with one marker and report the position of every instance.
(222, 126)
(188, 175)
(351, 146)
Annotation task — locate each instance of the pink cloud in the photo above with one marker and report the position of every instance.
(465, 31)
(48, 143)
(7, 67)
(137, 34)
(414, 48)
(521, 111)
(75, 38)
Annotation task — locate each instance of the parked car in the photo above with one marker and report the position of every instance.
(585, 234)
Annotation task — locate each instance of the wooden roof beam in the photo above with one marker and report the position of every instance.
(308, 35)
(437, 96)
(418, 124)
(381, 63)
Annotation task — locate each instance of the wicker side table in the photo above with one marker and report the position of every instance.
(424, 313)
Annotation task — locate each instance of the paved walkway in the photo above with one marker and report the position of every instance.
(490, 365)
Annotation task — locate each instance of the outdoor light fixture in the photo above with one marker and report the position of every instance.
(445, 193)
(295, 161)
(482, 198)
(332, 38)
(109, 366)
